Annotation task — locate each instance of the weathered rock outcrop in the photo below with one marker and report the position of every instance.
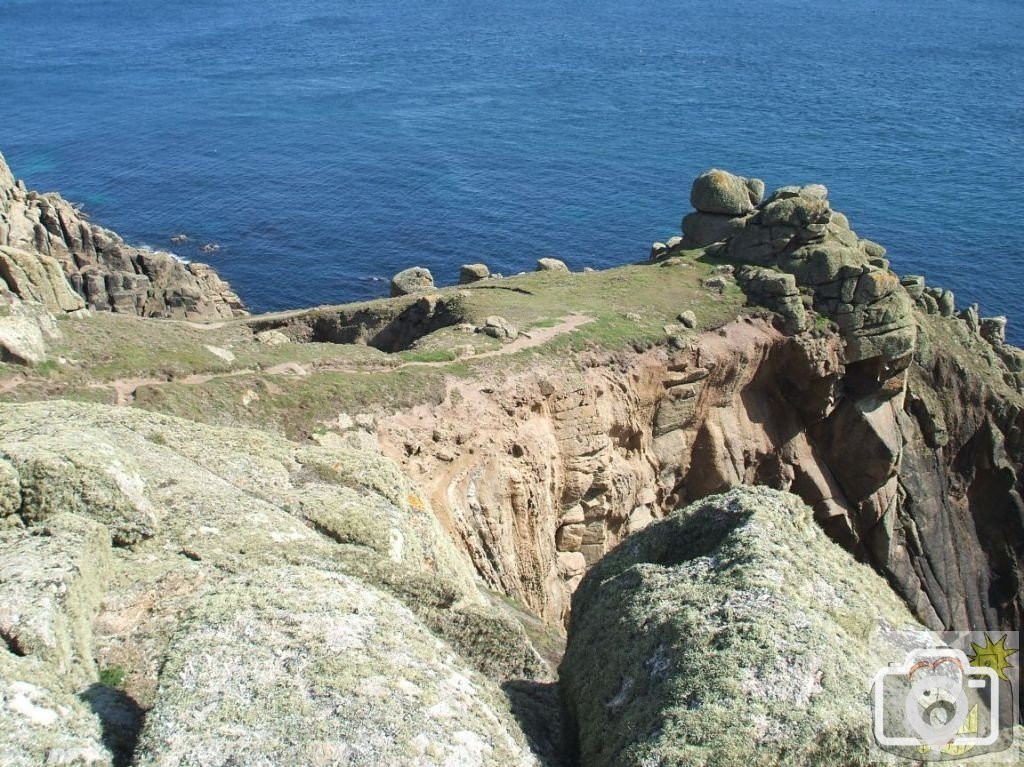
(151, 567)
(913, 463)
(25, 329)
(731, 633)
(37, 278)
(341, 674)
(796, 234)
(846, 279)
(415, 279)
(107, 273)
(269, 583)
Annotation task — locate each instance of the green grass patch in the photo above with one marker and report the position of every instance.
(112, 676)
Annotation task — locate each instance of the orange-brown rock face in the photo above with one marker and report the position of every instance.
(542, 473)
(107, 273)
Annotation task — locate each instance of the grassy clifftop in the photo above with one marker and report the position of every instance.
(224, 373)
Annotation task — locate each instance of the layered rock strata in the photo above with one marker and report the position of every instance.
(107, 273)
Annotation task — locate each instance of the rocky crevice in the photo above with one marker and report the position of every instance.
(389, 327)
(539, 477)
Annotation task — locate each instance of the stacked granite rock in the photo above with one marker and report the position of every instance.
(776, 291)
(723, 204)
(801, 246)
(107, 273)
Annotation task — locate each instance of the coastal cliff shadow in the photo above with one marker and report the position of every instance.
(121, 719)
(541, 714)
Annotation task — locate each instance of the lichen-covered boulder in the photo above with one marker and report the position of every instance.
(296, 666)
(52, 582)
(41, 722)
(25, 328)
(718, 191)
(551, 265)
(415, 279)
(469, 273)
(733, 632)
(21, 341)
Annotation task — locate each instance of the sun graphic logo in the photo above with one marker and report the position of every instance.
(992, 655)
(952, 698)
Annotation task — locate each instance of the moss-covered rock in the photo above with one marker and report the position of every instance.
(41, 723)
(296, 666)
(51, 584)
(731, 633)
(10, 490)
(174, 519)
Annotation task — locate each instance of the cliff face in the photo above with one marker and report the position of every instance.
(107, 273)
(899, 426)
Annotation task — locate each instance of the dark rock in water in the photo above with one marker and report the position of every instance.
(106, 272)
(415, 279)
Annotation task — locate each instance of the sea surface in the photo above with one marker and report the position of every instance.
(326, 144)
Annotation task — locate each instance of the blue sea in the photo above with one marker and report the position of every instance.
(326, 144)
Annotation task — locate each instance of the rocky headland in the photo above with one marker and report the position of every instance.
(41, 231)
(672, 513)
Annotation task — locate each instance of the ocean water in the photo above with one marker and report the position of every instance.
(326, 144)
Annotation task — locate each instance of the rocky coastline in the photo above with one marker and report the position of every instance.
(670, 513)
(104, 271)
